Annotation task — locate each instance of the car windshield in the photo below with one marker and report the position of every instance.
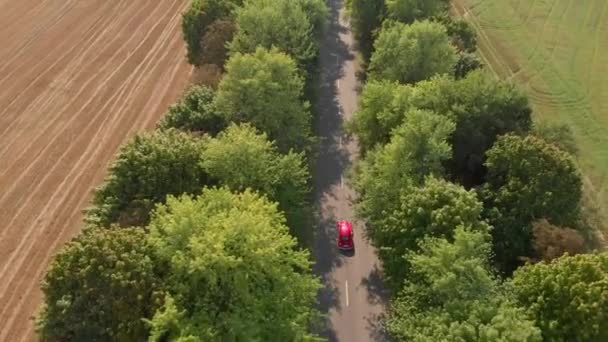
(345, 238)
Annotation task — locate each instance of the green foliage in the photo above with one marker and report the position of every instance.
(411, 53)
(560, 135)
(568, 297)
(242, 158)
(453, 296)
(365, 18)
(528, 179)
(416, 150)
(99, 288)
(481, 107)
(433, 210)
(265, 90)
(147, 169)
(466, 63)
(283, 24)
(406, 11)
(194, 112)
(195, 20)
(215, 39)
(234, 272)
(463, 34)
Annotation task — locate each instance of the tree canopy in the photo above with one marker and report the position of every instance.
(365, 18)
(197, 18)
(194, 112)
(411, 53)
(416, 150)
(241, 157)
(568, 297)
(482, 108)
(432, 210)
(234, 271)
(528, 179)
(214, 40)
(264, 89)
(406, 11)
(452, 295)
(287, 25)
(99, 287)
(147, 169)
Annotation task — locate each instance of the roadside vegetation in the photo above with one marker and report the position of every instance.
(201, 229)
(477, 211)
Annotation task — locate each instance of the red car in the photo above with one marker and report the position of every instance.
(345, 235)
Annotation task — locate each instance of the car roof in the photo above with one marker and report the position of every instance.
(344, 227)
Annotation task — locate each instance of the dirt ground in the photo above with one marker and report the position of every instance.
(77, 78)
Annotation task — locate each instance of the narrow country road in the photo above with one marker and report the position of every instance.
(353, 298)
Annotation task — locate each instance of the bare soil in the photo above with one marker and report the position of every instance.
(77, 79)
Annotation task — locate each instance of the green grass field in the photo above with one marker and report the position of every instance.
(558, 51)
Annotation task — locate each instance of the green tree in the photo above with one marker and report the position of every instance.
(482, 108)
(416, 150)
(382, 107)
(466, 63)
(463, 34)
(215, 39)
(99, 288)
(146, 170)
(194, 112)
(551, 241)
(283, 24)
(264, 89)
(411, 53)
(568, 297)
(241, 158)
(435, 209)
(558, 134)
(234, 272)
(195, 20)
(406, 11)
(365, 18)
(452, 295)
(528, 179)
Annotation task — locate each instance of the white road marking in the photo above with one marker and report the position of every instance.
(341, 181)
(338, 86)
(346, 283)
(340, 141)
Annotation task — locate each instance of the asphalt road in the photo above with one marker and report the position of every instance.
(353, 297)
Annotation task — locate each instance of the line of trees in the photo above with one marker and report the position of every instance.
(476, 211)
(199, 231)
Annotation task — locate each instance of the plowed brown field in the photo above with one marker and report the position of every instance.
(77, 78)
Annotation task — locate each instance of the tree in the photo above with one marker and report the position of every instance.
(433, 210)
(482, 108)
(453, 296)
(406, 11)
(99, 287)
(382, 107)
(241, 158)
(416, 150)
(214, 39)
(528, 179)
(283, 24)
(264, 89)
(466, 63)
(195, 20)
(568, 297)
(551, 242)
(365, 18)
(558, 134)
(146, 170)
(234, 272)
(194, 112)
(411, 53)
(463, 34)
